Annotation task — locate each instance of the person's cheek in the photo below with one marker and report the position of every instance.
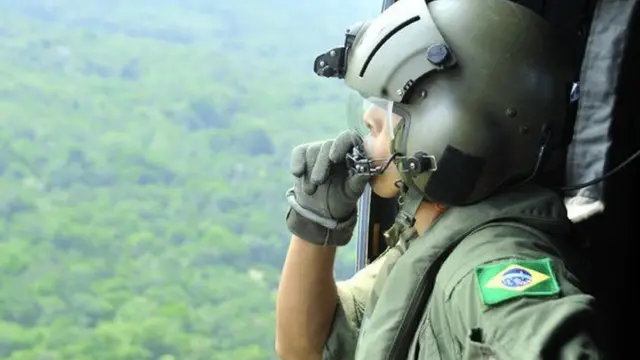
(370, 147)
(383, 147)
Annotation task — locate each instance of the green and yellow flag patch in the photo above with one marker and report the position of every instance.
(510, 279)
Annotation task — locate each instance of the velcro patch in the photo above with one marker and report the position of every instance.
(516, 278)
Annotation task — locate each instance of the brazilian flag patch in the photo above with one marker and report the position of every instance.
(517, 278)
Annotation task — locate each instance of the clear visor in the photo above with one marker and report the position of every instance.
(365, 114)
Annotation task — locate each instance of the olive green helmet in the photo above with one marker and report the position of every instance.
(481, 87)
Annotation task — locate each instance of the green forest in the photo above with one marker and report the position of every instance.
(144, 160)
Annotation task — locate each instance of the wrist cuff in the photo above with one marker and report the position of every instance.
(317, 234)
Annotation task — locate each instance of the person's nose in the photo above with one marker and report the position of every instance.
(371, 120)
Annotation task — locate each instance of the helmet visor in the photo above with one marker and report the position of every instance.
(363, 113)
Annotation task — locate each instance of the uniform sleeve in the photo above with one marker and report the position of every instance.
(546, 322)
(352, 296)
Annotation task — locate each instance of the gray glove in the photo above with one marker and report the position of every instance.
(325, 193)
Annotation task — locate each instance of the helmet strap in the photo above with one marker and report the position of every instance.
(403, 229)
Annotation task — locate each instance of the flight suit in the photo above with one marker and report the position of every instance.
(491, 280)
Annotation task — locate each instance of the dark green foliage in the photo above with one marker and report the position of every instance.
(143, 164)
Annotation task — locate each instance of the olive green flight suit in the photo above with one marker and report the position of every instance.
(495, 284)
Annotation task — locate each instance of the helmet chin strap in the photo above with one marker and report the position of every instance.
(403, 228)
(410, 198)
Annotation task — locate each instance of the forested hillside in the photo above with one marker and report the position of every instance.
(143, 164)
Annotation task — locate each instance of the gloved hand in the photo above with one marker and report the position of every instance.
(325, 193)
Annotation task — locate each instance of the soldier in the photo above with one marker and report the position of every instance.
(468, 101)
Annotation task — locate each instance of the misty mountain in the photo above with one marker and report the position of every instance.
(145, 149)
